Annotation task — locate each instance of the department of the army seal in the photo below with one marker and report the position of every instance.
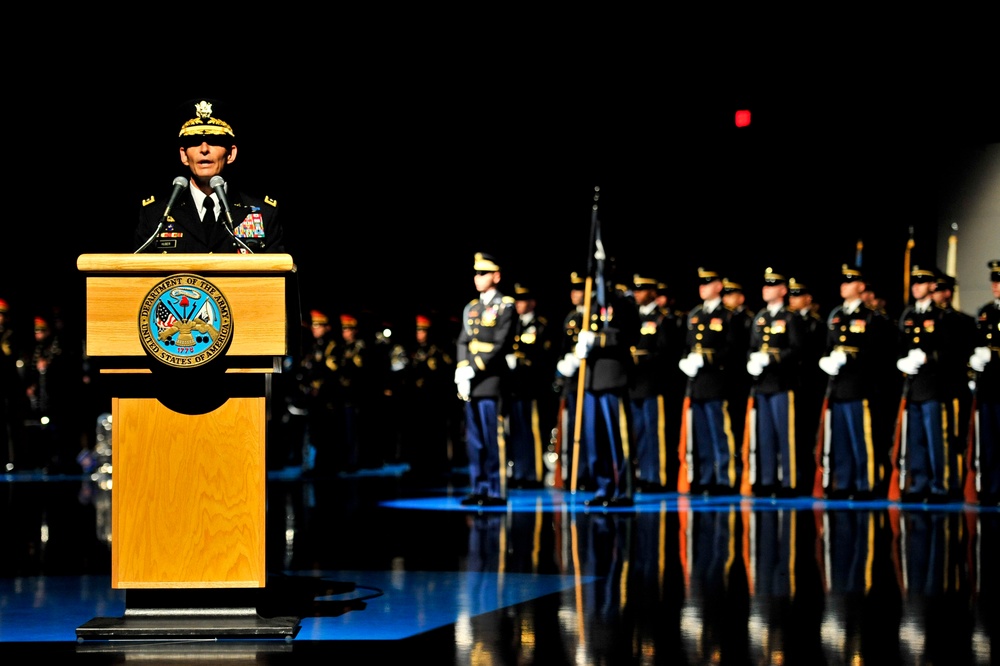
(185, 321)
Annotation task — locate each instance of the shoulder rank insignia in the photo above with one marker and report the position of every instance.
(270, 202)
(507, 299)
(146, 202)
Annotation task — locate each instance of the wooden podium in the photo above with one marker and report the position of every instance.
(188, 344)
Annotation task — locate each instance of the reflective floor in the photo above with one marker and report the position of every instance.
(376, 566)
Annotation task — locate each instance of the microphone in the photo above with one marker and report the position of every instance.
(219, 185)
(180, 183)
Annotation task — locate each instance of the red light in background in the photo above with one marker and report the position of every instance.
(743, 118)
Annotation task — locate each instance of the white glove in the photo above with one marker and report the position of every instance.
(568, 365)
(760, 358)
(511, 361)
(980, 357)
(829, 365)
(688, 366)
(464, 374)
(464, 389)
(839, 357)
(917, 355)
(696, 359)
(753, 367)
(908, 365)
(584, 343)
(972, 384)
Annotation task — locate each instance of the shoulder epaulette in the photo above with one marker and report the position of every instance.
(270, 202)
(473, 301)
(543, 321)
(146, 202)
(507, 299)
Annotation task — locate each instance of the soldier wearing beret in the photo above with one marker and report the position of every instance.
(197, 220)
(985, 361)
(481, 375)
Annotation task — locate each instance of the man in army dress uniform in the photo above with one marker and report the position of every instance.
(776, 343)
(812, 379)
(531, 414)
(859, 342)
(985, 360)
(481, 374)
(198, 220)
(566, 383)
(655, 355)
(926, 450)
(710, 463)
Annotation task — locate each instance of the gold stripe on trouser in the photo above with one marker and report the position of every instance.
(626, 468)
(792, 460)
(661, 440)
(869, 446)
(502, 455)
(536, 435)
(946, 445)
(731, 443)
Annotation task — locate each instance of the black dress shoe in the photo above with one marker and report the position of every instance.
(599, 502)
(472, 500)
(620, 501)
(487, 500)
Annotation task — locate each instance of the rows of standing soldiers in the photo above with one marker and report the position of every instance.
(715, 400)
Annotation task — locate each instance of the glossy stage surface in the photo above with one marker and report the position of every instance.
(378, 567)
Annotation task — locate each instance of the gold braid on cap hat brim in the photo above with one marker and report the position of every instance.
(206, 127)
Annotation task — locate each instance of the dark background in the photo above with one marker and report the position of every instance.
(388, 182)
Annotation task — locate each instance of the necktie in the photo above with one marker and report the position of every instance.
(209, 218)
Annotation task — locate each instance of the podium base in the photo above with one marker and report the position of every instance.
(177, 614)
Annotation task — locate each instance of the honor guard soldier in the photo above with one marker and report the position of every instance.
(203, 214)
(12, 395)
(776, 343)
(605, 342)
(860, 341)
(655, 355)
(481, 374)
(956, 377)
(566, 382)
(530, 412)
(737, 380)
(812, 379)
(319, 395)
(426, 391)
(985, 361)
(709, 455)
(356, 382)
(925, 451)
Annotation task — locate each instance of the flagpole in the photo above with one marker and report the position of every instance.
(951, 268)
(584, 326)
(906, 269)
